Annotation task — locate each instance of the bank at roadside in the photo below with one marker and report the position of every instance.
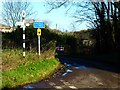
(18, 71)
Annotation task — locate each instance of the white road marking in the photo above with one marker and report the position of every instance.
(68, 71)
(100, 83)
(52, 84)
(58, 87)
(28, 87)
(62, 80)
(72, 87)
(66, 83)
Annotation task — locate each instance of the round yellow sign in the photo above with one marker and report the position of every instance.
(39, 32)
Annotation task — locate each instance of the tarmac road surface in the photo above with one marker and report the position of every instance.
(81, 74)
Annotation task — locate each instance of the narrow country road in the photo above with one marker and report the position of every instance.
(81, 74)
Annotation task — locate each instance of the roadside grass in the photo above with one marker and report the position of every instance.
(12, 58)
(19, 71)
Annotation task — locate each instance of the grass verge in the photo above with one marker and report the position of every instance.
(32, 72)
(27, 70)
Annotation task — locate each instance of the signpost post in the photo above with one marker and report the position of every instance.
(39, 34)
(23, 20)
(22, 24)
(39, 25)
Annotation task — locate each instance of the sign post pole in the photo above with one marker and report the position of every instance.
(39, 34)
(39, 45)
(24, 41)
(23, 20)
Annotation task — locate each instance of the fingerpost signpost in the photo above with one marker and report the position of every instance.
(23, 25)
(23, 19)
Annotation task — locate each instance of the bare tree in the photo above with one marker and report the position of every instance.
(12, 11)
(81, 11)
(104, 16)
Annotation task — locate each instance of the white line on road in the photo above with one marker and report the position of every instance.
(58, 87)
(52, 83)
(68, 84)
(72, 87)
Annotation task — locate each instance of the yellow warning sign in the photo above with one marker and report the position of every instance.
(39, 32)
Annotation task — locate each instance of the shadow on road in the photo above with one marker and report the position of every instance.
(87, 63)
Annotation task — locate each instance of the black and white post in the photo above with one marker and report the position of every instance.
(23, 24)
(23, 20)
